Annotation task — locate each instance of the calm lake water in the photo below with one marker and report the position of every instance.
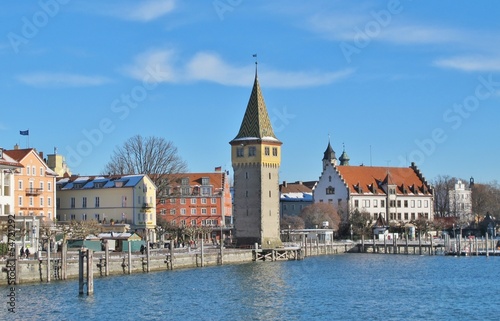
(342, 287)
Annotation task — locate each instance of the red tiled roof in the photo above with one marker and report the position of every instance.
(297, 187)
(18, 154)
(368, 179)
(215, 179)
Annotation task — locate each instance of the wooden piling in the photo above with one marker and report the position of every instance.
(81, 281)
(49, 266)
(106, 257)
(90, 272)
(129, 257)
(64, 260)
(487, 251)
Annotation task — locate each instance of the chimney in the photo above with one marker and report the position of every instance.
(284, 184)
(40, 154)
(16, 147)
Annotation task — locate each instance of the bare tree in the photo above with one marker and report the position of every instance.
(294, 222)
(360, 222)
(486, 198)
(314, 215)
(442, 187)
(153, 156)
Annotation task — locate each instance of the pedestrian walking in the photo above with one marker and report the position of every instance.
(27, 252)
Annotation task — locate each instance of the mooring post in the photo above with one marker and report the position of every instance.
(129, 257)
(171, 255)
(407, 251)
(48, 261)
(148, 254)
(64, 260)
(202, 252)
(81, 255)
(106, 257)
(90, 272)
(487, 250)
(385, 244)
(17, 259)
(432, 245)
(374, 246)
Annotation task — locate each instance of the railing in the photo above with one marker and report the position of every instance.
(34, 191)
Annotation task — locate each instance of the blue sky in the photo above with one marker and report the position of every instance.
(393, 81)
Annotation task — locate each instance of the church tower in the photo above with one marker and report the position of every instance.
(329, 156)
(256, 157)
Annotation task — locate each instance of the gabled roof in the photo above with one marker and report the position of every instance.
(368, 179)
(20, 154)
(256, 123)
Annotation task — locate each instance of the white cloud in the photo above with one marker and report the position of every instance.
(470, 63)
(208, 66)
(143, 11)
(58, 80)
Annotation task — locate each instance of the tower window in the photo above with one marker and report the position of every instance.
(246, 175)
(252, 150)
(270, 176)
(239, 152)
(275, 151)
(267, 152)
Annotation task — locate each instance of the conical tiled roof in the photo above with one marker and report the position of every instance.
(256, 122)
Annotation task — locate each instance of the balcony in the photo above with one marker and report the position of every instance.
(147, 205)
(33, 191)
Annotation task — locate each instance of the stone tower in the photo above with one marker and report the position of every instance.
(256, 157)
(329, 156)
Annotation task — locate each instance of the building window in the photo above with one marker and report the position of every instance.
(412, 203)
(172, 201)
(356, 203)
(412, 216)
(84, 216)
(246, 175)
(240, 152)
(72, 202)
(426, 204)
(270, 194)
(193, 222)
(205, 181)
(399, 203)
(193, 211)
(27, 170)
(252, 151)
(41, 171)
(213, 211)
(41, 186)
(214, 200)
(183, 211)
(206, 191)
(267, 151)
(203, 201)
(97, 202)
(185, 181)
(73, 217)
(375, 203)
(204, 211)
(49, 201)
(406, 203)
(183, 201)
(49, 186)
(330, 190)
(275, 151)
(406, 216)
(84, 202)
(382, 203)
(419, 203)
(193, 200)
(366, 203)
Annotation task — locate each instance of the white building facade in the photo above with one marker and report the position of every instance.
(396, 194)
(460, 199)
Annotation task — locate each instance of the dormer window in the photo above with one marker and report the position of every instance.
(185, 181)
(205, 181)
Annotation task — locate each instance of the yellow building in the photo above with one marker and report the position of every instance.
(34, 191)
(127, 199)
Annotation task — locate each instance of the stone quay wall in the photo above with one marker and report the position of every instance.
(34, 270)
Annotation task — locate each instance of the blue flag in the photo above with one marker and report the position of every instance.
(24, 132)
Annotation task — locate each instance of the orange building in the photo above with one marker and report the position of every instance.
(196, 199)
(35, 185)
